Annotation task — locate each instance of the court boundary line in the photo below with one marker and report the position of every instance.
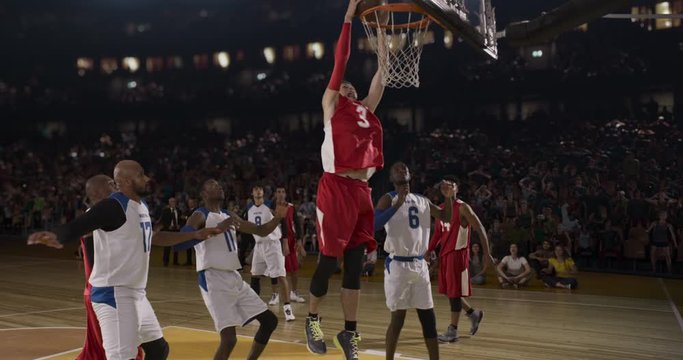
(43, 328)
(674, 308)
(58, 354)
(571, 303)
(81, 307)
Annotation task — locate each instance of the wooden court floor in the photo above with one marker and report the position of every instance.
(609, 317)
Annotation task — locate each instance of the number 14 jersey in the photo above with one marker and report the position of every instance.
(353, 139)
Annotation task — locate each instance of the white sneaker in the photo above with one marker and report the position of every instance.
(289, 314)
(274, 300)
(296, 298)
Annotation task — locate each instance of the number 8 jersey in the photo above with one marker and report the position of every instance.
(408, 229)
(353, 139)
(122, 255)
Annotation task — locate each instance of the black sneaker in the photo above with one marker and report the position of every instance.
(314, 336)
(347, 342)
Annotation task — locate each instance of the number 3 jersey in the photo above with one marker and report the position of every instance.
(122, 254)
(408, 229)
(220, 251)
(353, 139)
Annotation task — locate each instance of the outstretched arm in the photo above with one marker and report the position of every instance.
(196, 221)
(474, 221)
(250, 228)
(341, 58)
(107, 215)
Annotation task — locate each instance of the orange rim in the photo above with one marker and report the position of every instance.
(398, 7)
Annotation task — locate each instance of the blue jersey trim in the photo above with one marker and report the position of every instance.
(202, 281)
(122, 199)
(203, 210)
(103, 295)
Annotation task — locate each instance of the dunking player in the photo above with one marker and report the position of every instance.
(122, 241)
(230, 300)
(351, 153)
(454, 259)
(97, 188)
(292, 246)
(268, 259)
(406, 218)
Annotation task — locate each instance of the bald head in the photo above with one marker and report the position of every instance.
(98, 187)
(131, 179)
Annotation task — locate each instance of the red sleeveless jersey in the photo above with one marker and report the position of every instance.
(451, 236)
(353, 139)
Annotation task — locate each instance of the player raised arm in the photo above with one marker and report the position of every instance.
(385, 210)
(170, 238)
(448, 192)
(341, 58)
(196, 221)
(250, 228)
(376, 86)
(475, 223)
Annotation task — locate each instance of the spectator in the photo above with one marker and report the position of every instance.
(560, 270)
(170, 221)
(513, 270)
(477, 266)
(539, 259)
(661, 236)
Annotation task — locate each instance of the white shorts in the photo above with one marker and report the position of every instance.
(268, 259)
(230, 300)
(126, 319)
(407, 285)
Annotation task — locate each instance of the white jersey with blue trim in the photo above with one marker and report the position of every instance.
(217, 252)
(408, 230)
(122, 255)
(262, 214)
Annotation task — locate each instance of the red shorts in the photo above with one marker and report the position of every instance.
(346, 215)
(454, 277)
(93, 348)
(292, 260)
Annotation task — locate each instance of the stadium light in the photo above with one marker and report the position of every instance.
(315, 50)
(131, 64)
(448, 39)
(222, 59)
(269, 54)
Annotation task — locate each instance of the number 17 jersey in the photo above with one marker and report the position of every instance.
(408, 229)
(353, 138)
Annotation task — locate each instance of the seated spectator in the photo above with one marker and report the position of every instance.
(560, 270)
(513, 269)
(539, 258)
(477, 266)
(661, 236)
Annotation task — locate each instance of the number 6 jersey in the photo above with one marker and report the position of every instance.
(408, 229)
(353, 139)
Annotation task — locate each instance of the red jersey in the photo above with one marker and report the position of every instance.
(353, 139)
(289, 222)
(451, 236)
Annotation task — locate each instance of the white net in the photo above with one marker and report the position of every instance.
(398, 39)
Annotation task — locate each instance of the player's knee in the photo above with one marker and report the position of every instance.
(398, 318)
(353, 265)
(228, 338)
(428, 321)
(156, 350)
(268, 323)
(456, 304)
(319, 283)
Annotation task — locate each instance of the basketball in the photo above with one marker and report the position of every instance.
(368, 4)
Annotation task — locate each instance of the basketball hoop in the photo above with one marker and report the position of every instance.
(397, 33)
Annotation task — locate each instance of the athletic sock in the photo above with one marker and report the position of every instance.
(350, 325)
(313, 316)
(286, 303)
(469, 312)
